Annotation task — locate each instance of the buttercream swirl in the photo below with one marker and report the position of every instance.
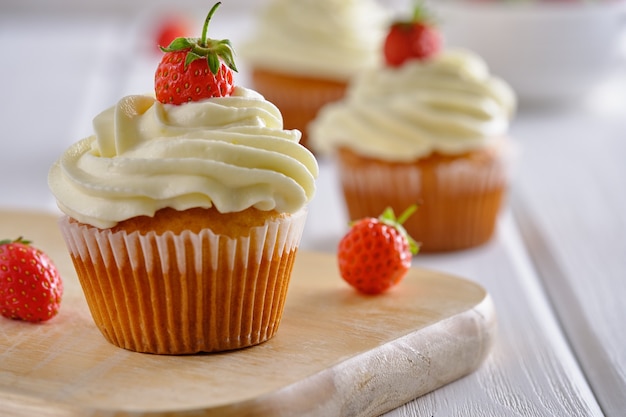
(229, 152)
(328, 38)
(449, 104)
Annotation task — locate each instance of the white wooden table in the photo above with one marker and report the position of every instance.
(556, 268)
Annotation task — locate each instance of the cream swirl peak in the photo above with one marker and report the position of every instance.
(449, 104)
(228, 152)
(328, 38)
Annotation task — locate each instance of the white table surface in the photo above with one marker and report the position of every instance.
(556, 268)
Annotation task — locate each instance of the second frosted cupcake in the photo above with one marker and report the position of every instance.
(428, 128)
(303, 53)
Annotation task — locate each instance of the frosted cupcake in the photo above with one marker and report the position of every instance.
(427, 129)
(183, 220)
(304, 52)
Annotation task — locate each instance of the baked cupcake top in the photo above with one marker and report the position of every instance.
(228, 152)
(319, 38)
(449, 104)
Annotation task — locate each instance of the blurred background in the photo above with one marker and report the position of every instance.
(64, 61)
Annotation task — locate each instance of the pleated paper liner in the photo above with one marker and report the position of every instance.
(459, 197)
(188, 292)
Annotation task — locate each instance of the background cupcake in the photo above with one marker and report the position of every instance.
(429, 128)
(183, 220)
(304, 52)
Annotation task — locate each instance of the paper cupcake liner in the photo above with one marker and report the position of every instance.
(189, 292)
(459, 198)
(299, 99)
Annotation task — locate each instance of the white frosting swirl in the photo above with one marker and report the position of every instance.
(329, 38)
(229, 152)
(448, 104)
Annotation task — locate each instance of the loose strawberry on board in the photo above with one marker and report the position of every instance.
(30, 285)
(417, 38)
(376, 253)
(193, 69)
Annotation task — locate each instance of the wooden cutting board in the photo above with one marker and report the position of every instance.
(336, 353)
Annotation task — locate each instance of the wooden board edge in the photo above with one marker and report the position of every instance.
(371, 391)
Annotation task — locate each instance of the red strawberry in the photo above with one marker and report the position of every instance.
(30, 285)
(193, 69)
(376, 253)
(170, 28)
(417, 38)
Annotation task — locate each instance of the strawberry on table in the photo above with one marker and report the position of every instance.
(417, 38)
(376, 253)
(30, 285)
(193, 69)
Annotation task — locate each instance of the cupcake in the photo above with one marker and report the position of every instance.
(429, 127)
(304, 52)
(183, 220)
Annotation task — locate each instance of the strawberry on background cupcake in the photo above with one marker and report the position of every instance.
(303, 53)
(427, 127)
(184, 211)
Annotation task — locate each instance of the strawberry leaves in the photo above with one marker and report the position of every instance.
(202, 48)
(212, 52)
(388, 217)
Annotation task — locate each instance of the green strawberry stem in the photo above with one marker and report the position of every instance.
(203, 48)
(205, 28)
(389, 218)
(421, 14)
(418, 12)
(407, 213)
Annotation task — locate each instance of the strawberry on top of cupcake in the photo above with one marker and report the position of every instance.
(193, 69)
(416, 38)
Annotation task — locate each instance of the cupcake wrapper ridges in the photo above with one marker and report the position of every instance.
(188, 292)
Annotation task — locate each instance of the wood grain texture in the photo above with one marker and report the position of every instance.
(336, 353)
(571, 205)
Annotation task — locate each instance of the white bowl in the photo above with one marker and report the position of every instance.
(548, 51)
